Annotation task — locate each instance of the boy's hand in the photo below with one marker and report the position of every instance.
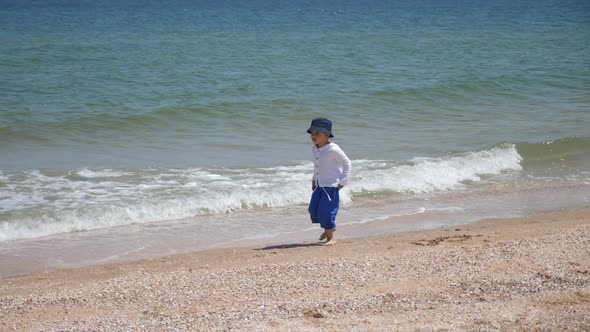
(312, 186)
(340, 186)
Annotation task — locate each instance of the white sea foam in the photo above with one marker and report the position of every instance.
(423, 175)
(106, 173)
(36, 203)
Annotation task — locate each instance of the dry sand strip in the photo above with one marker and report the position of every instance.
(522, 274)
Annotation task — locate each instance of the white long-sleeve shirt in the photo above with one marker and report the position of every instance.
(331, 166)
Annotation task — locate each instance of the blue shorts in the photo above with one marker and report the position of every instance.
(322, 209)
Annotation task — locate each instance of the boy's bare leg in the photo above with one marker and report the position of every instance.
(330, 236)
(323, 236)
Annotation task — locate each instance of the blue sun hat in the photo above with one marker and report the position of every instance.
(321, 124)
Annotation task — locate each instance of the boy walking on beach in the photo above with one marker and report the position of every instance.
(331, 173)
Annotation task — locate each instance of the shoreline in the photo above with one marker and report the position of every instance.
(252, 227)
(496, 274)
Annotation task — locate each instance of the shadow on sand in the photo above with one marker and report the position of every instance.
(290, 246)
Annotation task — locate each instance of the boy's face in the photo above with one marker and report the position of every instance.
(319, 137)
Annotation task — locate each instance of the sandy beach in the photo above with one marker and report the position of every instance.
(517, 274)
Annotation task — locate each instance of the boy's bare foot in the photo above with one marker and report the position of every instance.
(329, 243)
(329, 236)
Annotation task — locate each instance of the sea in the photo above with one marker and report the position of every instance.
(139, 128)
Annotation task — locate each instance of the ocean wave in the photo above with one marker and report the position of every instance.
(38, 203)
(120, 120)
(424, 175)
(464, 88)
(555, 150)
(43, 202)
(8, 135)
(106, 173)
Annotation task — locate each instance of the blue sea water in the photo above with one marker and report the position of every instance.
(122, 113)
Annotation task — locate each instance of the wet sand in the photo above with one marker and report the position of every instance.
(517, 274)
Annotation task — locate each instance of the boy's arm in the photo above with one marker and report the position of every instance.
(314, 178)
(342, 158)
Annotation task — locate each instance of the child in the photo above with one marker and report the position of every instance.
(331, 173)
